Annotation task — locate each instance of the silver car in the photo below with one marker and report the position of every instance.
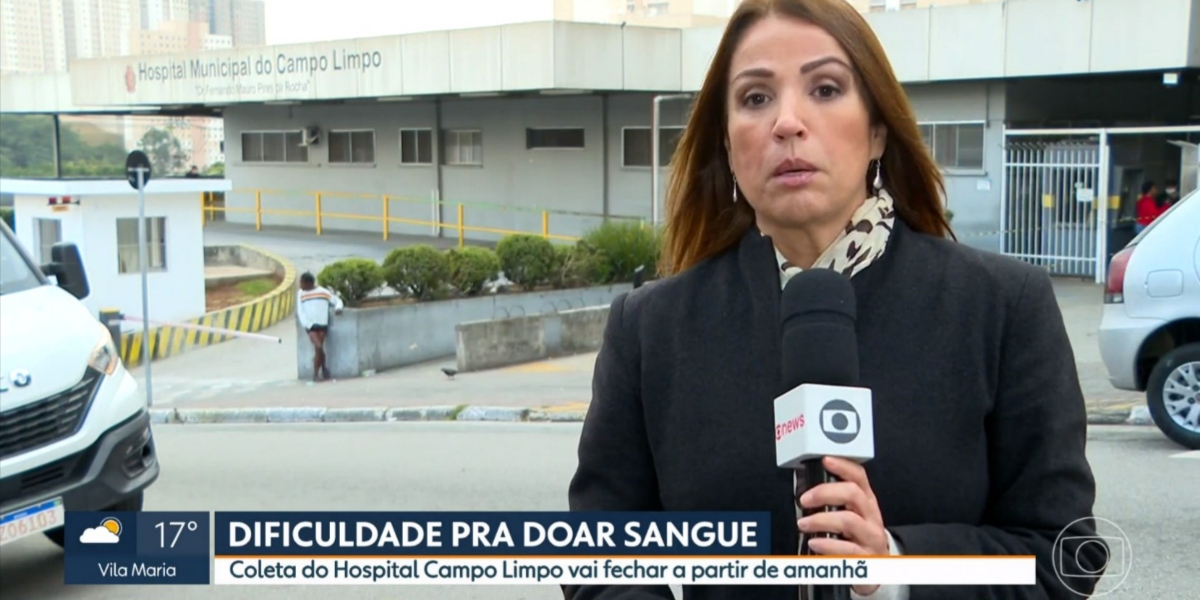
(1150, 333)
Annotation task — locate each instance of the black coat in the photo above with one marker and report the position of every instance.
(979, 419)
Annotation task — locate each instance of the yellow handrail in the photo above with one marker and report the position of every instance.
(319, 213)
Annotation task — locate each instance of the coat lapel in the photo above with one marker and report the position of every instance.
(759, 272)
(760, 278)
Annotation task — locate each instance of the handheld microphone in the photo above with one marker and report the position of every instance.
(823, 413)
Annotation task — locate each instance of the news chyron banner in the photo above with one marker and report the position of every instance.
(480, 548)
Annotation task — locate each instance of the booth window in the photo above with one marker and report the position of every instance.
(955, 146)
(49, 233)
(547, 137)
(464, 147)
(127, 245)
(273, 147)
(416, 146)
(352, 146)
(636, 149)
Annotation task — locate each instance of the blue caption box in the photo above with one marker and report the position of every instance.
(491, 533)
(138, 548)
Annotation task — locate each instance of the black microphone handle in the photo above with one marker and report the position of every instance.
(815, 474)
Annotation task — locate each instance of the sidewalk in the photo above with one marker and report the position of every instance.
(251, 380)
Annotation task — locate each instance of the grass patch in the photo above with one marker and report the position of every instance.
(257, 287)
(231, 294)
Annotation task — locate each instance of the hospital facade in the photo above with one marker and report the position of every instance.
(1045, 116)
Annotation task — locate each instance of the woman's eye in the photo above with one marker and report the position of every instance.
(827, 91)
(755, 99)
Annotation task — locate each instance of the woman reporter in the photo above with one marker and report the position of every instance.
(802, 152)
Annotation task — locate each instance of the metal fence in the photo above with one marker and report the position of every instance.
(401, 215)
(1051, 203)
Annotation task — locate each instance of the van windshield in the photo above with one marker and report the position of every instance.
(15, 274)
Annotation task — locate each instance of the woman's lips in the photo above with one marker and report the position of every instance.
(796, 178)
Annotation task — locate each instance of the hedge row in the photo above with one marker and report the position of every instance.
(608, 254)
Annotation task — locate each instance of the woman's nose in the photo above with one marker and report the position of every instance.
(789, 122)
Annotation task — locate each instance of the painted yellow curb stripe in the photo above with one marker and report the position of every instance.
(248, 317)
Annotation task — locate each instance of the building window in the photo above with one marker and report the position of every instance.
(464, 147)
(547, 137)
(636, 149)
(127, 245)
(889, 5)
(273, 147)
(355, 146)
(955, 145)
(416, 146)
(49, 233)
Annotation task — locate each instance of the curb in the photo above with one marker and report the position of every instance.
(1139, 415)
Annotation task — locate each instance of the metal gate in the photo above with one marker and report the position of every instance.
(1053, 209)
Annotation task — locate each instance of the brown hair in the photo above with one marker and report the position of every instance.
(703, 220)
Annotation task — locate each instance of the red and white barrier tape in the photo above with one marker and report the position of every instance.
(202, 328)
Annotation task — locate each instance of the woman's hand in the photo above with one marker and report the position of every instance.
(859, 523)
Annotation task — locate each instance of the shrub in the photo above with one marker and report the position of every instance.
(471, 267)
(623, 246)
(576, 266)
(7, 215)
(420, 271)
(352, 278)
(527, 260)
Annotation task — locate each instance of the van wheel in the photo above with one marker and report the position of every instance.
(1173, 395)
(130, 504)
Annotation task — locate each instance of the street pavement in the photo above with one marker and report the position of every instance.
(308, 251)
(1147, 487)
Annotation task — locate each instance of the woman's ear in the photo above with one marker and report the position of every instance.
(878, 140)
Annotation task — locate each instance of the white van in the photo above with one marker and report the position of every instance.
(74, 427)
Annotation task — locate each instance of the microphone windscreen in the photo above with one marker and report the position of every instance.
(820, 344)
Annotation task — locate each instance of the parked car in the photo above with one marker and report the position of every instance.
(1150, 333)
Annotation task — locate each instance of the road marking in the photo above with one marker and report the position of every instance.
(540, 367)
(1194, 455)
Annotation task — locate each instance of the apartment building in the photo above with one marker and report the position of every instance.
(32, 36)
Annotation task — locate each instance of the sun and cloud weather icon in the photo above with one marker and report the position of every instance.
(108, 532)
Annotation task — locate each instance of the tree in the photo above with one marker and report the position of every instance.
(166, 153)
(27, 149)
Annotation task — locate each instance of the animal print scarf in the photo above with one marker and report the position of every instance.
(863, 240)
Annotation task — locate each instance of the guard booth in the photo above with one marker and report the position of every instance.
(101, 218)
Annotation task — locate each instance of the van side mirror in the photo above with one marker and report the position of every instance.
(67, 267)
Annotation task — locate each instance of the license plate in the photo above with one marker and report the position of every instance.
(32, 520)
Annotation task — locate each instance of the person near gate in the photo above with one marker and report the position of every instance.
(801, 152)
(1148, 207)
(313, 307)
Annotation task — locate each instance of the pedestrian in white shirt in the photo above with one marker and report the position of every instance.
(313, 306)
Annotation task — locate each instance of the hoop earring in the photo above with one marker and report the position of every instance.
(878, 183)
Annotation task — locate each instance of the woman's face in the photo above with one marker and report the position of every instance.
(800, 139)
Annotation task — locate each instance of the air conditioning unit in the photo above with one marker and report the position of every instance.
(310, 136)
